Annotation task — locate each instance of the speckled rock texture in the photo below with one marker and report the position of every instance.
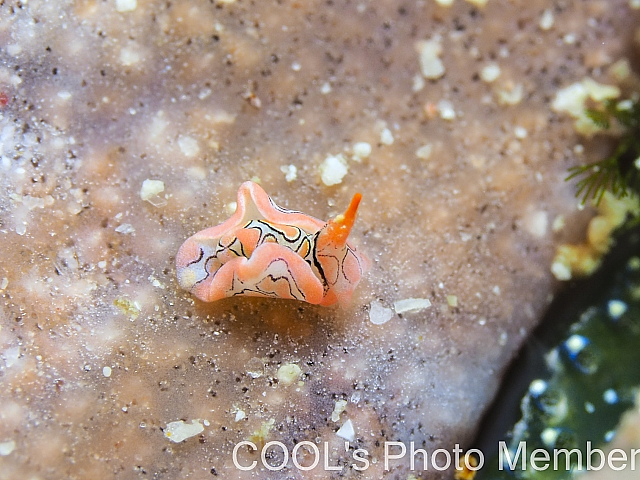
(464, 202)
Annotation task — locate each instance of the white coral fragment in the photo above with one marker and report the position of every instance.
(490, 72)
(386, 137)
(126, 5)
(572, 98)
(7, 447)
(346, 431)
(546, 20)
(424, 152)
(361, 150)
(129, 56)
(290, 172)
(447, 112)
(430, 64)
(188, 146)
(179, 431)
(411, 305)
(339, 407)
(333, 170)
(511, 95)
(150, 191)
(379, 314)
(289, 373)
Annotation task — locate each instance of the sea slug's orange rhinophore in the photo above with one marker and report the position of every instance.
(264, 250)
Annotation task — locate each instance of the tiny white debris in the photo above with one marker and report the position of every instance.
(411, 305)
(333, 169)
(511, 95)
(549, 436)
(424, 152)
(575, 344)
(326, 88)
(569, 38)
(129, 56)
(289, 373)
(339, 407)
(616, 308)
(610, 396)
(520, 132)
(537, 387)
(64, 95)
(558, 223)
(546, 20)
(290, 172)
(295, 66)
(255, 368)
(240, 415)
(490, 72)
(7, 447)
(155, 282)
(361, 150)
(570, 99)
(74, 208)
(418, 83)
(430, 64)
(204, 93)
(150, 191)
(609, 435)
(4, 283)
(21, 228)
(188, 146)
(447, 112)
(102, 264)
(536, 223)
(346, 431)
(496, 290)
(125, 228)
(589, 407)
(379, 314)
(179, 431)
(126, 5)
(14, 49)
(386, 137)
(197, 173)
(11, 356)
(33, 202)
(452, 300)
(106, 371)
(444, 3)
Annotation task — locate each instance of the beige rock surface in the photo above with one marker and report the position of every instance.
(462, 183)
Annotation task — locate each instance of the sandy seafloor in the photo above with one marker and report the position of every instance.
(464, 205)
